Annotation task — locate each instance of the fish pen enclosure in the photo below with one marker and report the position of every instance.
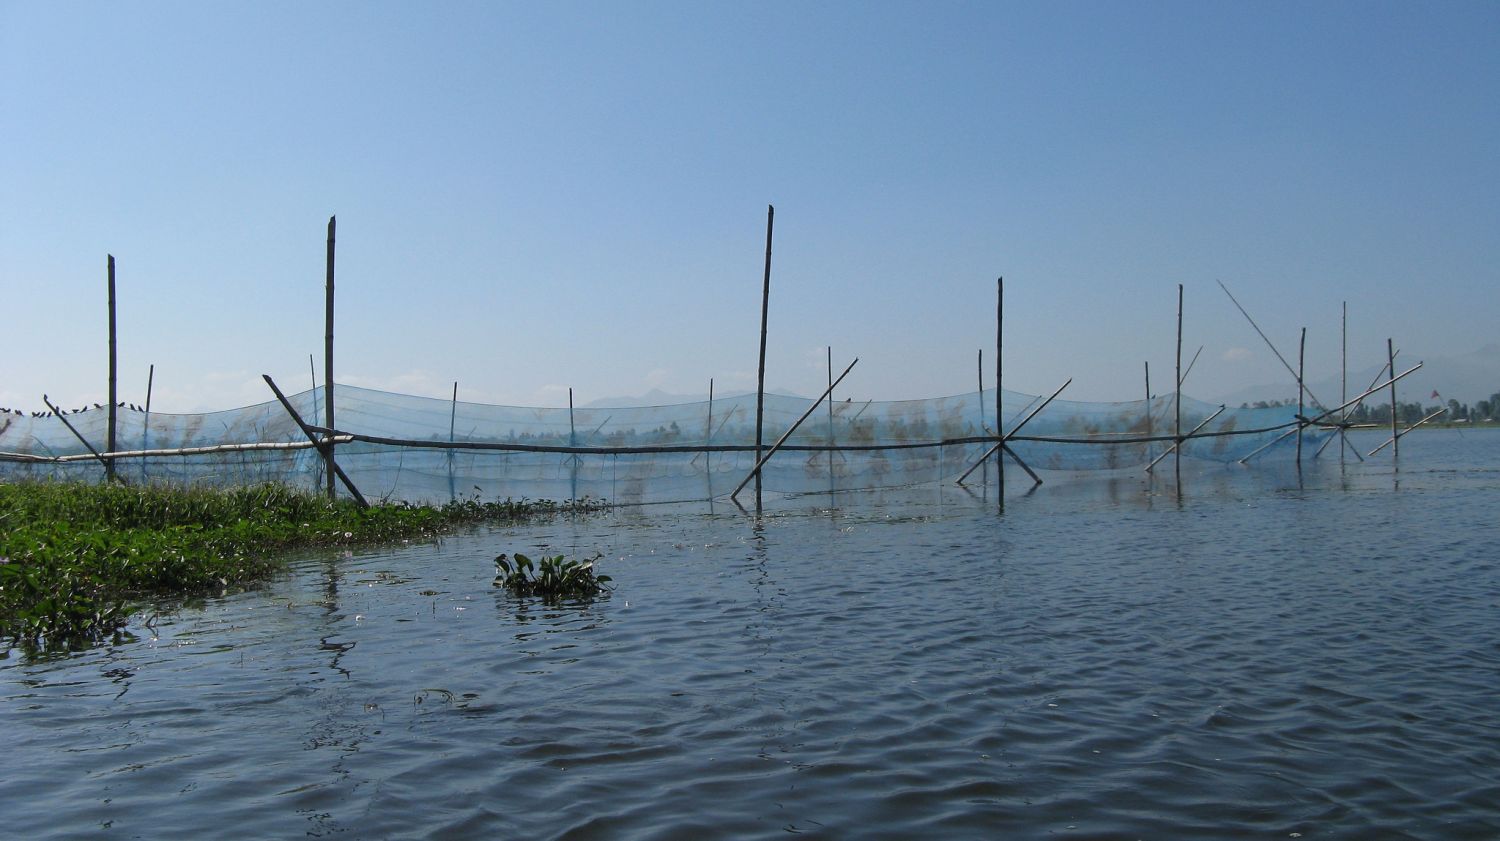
(423, 449)
(417, 449)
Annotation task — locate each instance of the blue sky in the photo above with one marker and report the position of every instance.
(533, 196)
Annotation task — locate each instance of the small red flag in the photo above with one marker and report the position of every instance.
(1435, 395)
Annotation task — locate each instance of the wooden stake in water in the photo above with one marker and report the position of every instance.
(999, 384)
(708, 437)
(1390, 353)
(109, 440)
(1301, 359)
(572, 442)
(984, 476)
(331, 466)
(830, 419)
(1148, 407)
(1343, 379)
(1177, 397)
(760, 382)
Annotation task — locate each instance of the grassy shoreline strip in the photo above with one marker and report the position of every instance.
(75, 557)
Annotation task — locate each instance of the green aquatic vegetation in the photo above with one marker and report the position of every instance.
(550, 578)
(76, 559)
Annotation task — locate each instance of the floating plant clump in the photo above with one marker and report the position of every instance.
(551, 578)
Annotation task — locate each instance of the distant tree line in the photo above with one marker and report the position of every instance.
(1482, 411)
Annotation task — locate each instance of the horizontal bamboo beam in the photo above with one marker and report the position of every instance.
(175, 451)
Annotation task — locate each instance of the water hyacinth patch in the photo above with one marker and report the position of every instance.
(551, 578)
(79, 558)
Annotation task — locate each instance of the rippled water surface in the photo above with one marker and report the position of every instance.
(1263, 656)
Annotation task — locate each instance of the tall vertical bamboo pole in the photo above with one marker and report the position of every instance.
(1301, 360)
(1390, 352)
(984, 475)
(328, 459)
(999, 383)
(830, 418)
(760, 387)
(109, 445)
(1343, 378)
(708, 435)
(572, 442)
(1148, 408)
(1177, 396)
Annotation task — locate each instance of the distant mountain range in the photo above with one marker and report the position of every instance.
(1467, 379)
(657, 397)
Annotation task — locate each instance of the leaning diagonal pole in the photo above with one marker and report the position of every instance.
(1326, 413)
(1285, 364)
(82, 440)
(1173, 448)
(359, 498)
(1395, 440)
(760, 462)
(1001, 447)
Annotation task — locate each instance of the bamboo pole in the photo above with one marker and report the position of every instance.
(1390, 351)
(146, 421)
(760, 382)
(172, 451)
(325, 443)
(452, 426)
(312, 373)
(761, 460)
(1194, 361)
(984, 475)
(1397, 438)
(1169, 450)
(1301, 360)
(831, 442)
(1001, 446)
(708, 437)
(1177, 397)
(999, 383)
(1326, 413)
(1287, 365)
(453, 412)
(1343, 379)
(572, 442)
(82, 440)
(331, 466)
(109, 438)
(1148, 405)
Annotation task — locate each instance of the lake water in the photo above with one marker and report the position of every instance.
(1267, 654)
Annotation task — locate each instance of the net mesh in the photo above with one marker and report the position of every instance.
(689, 451)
